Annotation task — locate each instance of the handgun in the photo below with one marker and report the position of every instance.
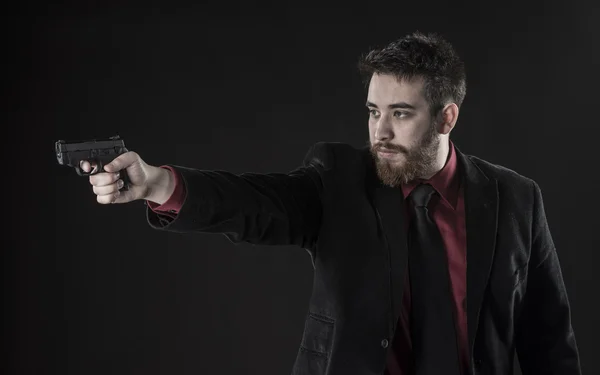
(102, 151)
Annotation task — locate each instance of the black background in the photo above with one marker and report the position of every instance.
(92, 289)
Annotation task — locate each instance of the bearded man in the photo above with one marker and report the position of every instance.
(426, 260)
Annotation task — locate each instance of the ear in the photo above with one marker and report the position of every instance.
(446, 118)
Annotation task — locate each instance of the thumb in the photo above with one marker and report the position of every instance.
(121, 162)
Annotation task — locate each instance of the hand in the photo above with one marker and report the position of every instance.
(106, 184)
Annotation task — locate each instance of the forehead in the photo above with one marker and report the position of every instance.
(385, 89)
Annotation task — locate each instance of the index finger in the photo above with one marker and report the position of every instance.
(86, 166)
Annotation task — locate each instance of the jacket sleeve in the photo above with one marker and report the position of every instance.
(545, 341)
(262, 209)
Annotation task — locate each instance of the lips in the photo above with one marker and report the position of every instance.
(387, 151)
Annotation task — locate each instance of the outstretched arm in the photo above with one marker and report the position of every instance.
(264, 209)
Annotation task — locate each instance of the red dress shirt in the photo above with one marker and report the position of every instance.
(449, 214)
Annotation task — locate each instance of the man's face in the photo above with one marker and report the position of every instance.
(400, 122)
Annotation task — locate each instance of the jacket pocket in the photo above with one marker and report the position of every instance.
(310, 363)
(318, 334)
(315, 348)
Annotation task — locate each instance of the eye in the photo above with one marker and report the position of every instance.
(373, 112)
(400, 114)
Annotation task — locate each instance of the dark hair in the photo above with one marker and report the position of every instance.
(428, 56)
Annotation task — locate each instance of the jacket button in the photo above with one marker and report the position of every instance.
(384, 343)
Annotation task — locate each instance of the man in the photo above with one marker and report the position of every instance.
(391, 228)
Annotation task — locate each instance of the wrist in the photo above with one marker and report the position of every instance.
(161, 184)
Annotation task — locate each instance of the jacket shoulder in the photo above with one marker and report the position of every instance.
(507, 178)
(327, 155)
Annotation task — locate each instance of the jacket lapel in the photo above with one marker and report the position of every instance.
(481, 209)
(388, 203)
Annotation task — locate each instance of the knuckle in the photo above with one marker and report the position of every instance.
(135, 157)
(106, 189)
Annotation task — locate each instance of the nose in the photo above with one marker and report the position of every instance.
(383, 129)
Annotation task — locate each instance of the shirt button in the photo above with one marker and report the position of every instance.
(384, 343)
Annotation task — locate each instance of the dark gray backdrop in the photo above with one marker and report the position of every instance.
(92, 289)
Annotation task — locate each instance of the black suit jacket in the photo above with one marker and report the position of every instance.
(336, 208)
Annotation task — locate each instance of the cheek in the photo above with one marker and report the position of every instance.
(405, 133)
(372, 127)
(414, 132)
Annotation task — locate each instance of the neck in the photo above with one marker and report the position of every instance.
(442, 156)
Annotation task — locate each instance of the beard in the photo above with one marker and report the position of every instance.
(419, 160)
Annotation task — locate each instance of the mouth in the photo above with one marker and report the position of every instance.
(386, 153)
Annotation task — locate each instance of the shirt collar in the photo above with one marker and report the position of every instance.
(445, 182)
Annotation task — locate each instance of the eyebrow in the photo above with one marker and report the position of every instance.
(402, 105)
